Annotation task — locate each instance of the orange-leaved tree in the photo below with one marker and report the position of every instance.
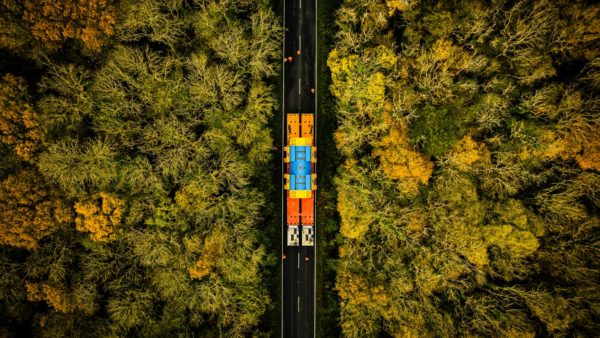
(59, 299)
(467, 154)
(19, 127)
(400, 5)
(29, 210)
(99, 216)
(53, 22)
(590, 153)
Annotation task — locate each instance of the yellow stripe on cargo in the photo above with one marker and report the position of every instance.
(300, 141)
(300, 193)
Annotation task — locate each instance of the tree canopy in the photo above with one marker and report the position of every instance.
(469, 193)
(132, 196)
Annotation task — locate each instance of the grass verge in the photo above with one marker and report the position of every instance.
(327, 302)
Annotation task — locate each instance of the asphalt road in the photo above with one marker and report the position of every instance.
(298, 274)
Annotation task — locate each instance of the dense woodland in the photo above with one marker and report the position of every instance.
(469, 191)
(135, 166)
(137, 180)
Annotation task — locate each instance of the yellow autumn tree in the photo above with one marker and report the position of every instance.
(53, 22)
(517, 243)
(19, 127)
(467, 152)
(400, 161)
(473, 242)
(56, 297)
(100, 216)
(435, 268)
(550, 145)
(590, 153)
(435, 69)
(358, 290)
(356, 204)
(400, 5)
(350, 83)
(417, 222)
(29, 210)
(360, 79)
(353, 207)
(470, 243)
(211, 253)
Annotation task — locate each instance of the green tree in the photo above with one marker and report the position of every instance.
(77, 168)
(66, 98)
(436, 130)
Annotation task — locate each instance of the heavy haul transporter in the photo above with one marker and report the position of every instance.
(300, 156)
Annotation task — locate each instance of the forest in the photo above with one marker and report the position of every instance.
(459, 168)
(135, 167)
(469, 189)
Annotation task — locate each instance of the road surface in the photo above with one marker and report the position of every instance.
(299, 77)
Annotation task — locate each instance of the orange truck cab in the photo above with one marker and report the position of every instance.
(300, 178)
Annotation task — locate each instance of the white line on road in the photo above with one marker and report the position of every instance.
(299, 86)
(298, 303)
(298, 261)
(300, 48)
(300, 2)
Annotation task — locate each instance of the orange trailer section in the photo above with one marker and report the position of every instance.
(293, 127)
(293, 210)
(308, 207)
(307, 127)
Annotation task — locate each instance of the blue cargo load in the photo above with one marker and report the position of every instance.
(300, 168)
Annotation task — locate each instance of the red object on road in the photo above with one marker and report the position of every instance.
(293, 210)
(307, 210)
